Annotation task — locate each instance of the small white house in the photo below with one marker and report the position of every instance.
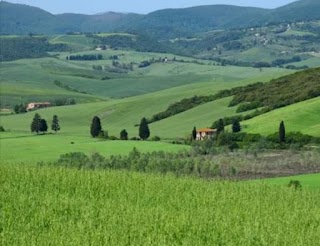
(205, 133)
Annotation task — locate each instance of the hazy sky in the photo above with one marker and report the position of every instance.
(136, 6)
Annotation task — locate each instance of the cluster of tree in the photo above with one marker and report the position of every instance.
(40, 125)
(279, 92)
(180, 164)
(237, 139)
(139, 42)
(68, 88)
(91, 57)
(64, 101)
(123, 66)
(20, 108)
(97, 131)
(13, 48)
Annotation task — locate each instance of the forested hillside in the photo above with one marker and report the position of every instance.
(13, 48)
(162, 24)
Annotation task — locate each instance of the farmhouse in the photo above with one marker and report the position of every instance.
(205, 133)
(37, 105)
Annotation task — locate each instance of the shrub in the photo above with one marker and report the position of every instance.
(155, 138)
(294, 184)
(2, 129)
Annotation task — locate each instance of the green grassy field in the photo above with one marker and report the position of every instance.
(306, 181)
(33, 79)
(44, 205)
(303, 117)
(32, 148)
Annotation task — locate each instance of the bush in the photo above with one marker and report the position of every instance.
(113, 138)
(155, 138)
(2, 129)
(294, 184)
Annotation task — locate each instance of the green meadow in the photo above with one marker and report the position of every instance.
(311, 181)
(303, 117)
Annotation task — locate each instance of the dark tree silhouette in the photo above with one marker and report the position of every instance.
(220, 126)
(35, 125)
(55, 124)
(95, 128)
(144, 131)
(43, 127)
(282, 133)
(124, 135)
(236, 127)
(194, 133)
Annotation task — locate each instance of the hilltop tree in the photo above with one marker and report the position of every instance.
(43, 127)
(55, 124)
(236, 127)
(282, 133)
(194, 133)
(144, 131)
(124, 135)
(35, 125)
(95, 128)
(220, 126)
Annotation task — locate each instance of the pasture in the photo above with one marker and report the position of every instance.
(36, 148)
(303, 117)
(44, 205)
(307, 181)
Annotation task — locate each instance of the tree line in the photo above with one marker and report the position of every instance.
(96, 130)
(39, 125)
(89, 57)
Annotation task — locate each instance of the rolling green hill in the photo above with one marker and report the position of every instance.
(303, 117)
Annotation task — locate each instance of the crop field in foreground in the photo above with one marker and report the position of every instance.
(51, 206)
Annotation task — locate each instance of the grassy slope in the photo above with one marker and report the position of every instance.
(125, 113)
(29, 80)
(52, 206)
(306, 181)
(303, 116)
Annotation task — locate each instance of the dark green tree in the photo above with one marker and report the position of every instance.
(35, 125)
(55, 124)
(236, 127)
(43, 127)
(194, 133)
(220, 126)
(95, 128)
(124, 135)
(144, 131)
(282, 133)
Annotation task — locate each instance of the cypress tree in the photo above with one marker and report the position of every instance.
(236, 127)
(43, 127)
(35, 125)
(220, 126)
(55, 124)
(124, 135)
(282, 133)
(144, 131)
(95, 128)
(194, 133)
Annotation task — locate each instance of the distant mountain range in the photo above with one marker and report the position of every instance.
(163, 24)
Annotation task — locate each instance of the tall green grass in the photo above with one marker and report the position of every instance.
(48, 206)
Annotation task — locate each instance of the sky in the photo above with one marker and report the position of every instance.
(136, 6)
